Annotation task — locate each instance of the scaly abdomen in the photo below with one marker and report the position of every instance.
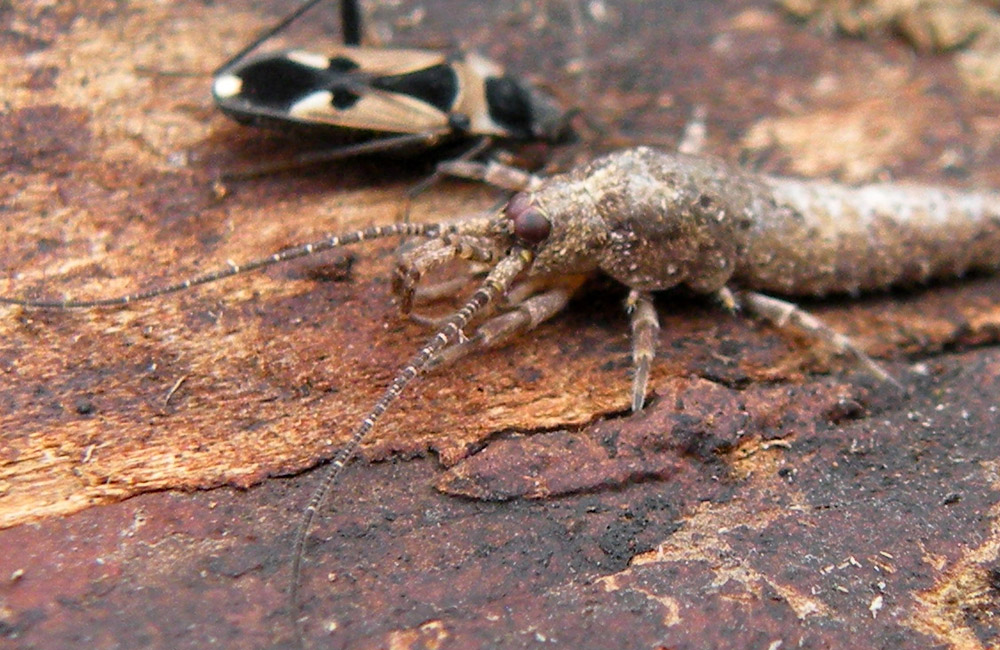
(817, 238)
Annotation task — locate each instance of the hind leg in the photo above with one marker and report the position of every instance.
(478, 147)
(785, 315)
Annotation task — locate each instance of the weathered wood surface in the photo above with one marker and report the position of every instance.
(766, 493)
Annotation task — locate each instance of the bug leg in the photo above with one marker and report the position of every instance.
(727, 299)
(493, 173)
(440, 171)
(525, 315)
(423, 295)
(352, 22)
(784, 314)
(448, 288)
(310, 158)
(692, 141)
(285, 22)
(415, 263)
(428, 294)
(645, 329)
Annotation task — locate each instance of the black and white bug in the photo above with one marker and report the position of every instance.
(378, 99)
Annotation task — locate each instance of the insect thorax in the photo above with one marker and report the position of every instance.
(656, 220)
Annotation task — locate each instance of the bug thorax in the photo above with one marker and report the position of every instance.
(508, 106)
(549, 121)
(649, 219)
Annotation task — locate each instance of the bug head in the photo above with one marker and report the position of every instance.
(561, 231)
(527, 112)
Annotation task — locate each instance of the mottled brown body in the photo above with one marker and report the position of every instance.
(648, 219)
(654, 220)
(825, 238)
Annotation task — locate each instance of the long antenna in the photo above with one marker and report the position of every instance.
(350, 20)
(304, 250)
(496, 283)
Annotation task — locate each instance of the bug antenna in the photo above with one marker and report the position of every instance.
(496, 284)
(351, 22)
(282, 24)
(578, 46)
(304, 250)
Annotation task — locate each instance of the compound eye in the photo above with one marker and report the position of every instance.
(530, 225)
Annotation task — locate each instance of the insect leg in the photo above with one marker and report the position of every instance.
(693, 138)
(580, 59)
(496, 284)
(434, 253)
(479, 146)
(526, 315)
(784, 314)
(308, 159)
(645, 331)
(448, 288)
(428, 294)
(413, 264)
(493, 173)
(351, 24)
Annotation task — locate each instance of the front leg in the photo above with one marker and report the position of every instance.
(539, 302)
(478, 147)
(415, 263)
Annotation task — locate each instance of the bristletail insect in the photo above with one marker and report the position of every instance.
(654, 220)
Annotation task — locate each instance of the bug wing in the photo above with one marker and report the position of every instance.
(373, 111)
(474, 71)
(382, 61)
(361, 89)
